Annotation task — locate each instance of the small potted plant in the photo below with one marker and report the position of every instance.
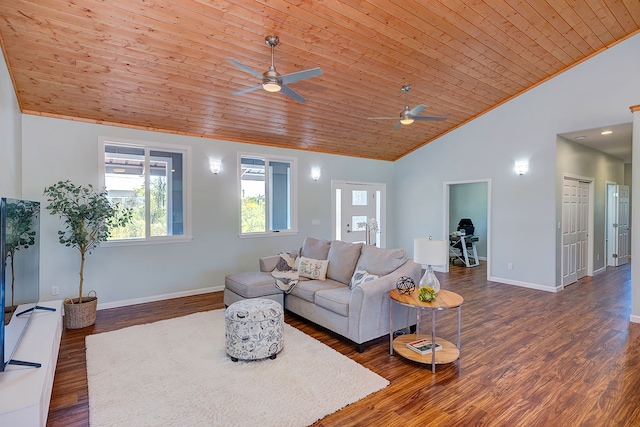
(89, 217)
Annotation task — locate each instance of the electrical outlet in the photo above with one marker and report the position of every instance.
(509, 266)
(55, 290)
(597, 259)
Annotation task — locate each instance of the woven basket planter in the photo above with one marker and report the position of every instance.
(78, 316)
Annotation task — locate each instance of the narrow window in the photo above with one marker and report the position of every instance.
(267, 195)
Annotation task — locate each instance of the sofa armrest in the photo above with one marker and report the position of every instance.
(268, 263)
(369, 305)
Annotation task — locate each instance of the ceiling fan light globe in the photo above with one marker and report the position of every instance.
(271, 86)
(406, 120)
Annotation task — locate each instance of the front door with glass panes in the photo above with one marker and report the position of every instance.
(359, 213)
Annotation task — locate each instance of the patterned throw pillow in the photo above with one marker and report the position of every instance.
(361, 276)
(313, 268)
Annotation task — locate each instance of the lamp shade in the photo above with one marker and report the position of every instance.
(429, 251)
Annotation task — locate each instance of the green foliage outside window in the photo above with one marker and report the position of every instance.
(158, 212)
(253, 215)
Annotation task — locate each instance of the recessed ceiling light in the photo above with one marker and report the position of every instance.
(118, 170)
(606, 132)
(580, 137)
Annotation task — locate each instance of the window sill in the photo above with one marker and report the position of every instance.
(153, 241)
(269, 234)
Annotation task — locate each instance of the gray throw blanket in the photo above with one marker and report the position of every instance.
(286, 273)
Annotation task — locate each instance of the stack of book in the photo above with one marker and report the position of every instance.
(422, 346)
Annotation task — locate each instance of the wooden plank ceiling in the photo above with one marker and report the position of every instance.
(162, 64)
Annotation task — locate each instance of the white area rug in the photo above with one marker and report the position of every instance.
(176, 373)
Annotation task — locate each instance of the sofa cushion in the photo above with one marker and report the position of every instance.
(313, 268)
(342, 260)
(251, 284)
(335, 300)
(381, 261)
(361, 276)
(306, 289)
(314, 248)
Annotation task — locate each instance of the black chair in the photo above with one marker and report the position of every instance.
(467, 225)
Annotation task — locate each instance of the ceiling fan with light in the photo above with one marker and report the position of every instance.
(408, 116)
(271, 80)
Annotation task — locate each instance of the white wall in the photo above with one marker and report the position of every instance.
(635, 219)
(597, 92)
(55, 149)
(10, 137)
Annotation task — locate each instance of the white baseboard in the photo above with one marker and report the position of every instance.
(159, 297)
(634, 319)
(526, 284)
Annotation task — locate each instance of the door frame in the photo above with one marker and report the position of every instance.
(445, 217)
(590, 226)
(382, 221)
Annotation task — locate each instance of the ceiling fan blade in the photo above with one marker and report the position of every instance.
(291, 93)
(397, 125)
(245, 68)
(246, 89)
(382, 118)
(300, 75)
(417, 110)
(431, 118)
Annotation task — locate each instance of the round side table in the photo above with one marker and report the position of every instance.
(449, 352)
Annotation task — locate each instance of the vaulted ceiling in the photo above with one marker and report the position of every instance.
(163, 64)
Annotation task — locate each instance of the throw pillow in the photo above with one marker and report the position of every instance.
(343, 258)
(381, 261)
(361, 276)
(313, 268)
(315, 249)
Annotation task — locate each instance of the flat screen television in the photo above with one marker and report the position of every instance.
(19, 273)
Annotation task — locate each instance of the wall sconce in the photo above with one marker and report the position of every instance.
(521, 167)
(215, 165)
(315, 173)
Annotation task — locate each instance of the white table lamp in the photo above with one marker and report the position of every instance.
(429, 251)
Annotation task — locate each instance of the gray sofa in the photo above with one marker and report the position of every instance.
(355, 307)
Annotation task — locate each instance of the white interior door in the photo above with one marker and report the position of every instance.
(583, 229)
(621, 226)
(612, 224)
(357, 203)
(575, 227)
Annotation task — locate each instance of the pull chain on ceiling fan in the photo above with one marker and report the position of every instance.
(271, 80)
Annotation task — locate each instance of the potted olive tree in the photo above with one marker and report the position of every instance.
(88, 216)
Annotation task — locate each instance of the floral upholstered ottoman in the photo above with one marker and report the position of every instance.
(254, 329)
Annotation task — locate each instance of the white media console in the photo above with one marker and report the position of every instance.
(25, 392)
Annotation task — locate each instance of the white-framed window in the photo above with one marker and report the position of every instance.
(153, 180)
(267, 186)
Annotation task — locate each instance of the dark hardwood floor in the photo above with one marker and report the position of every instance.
(529, 358)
